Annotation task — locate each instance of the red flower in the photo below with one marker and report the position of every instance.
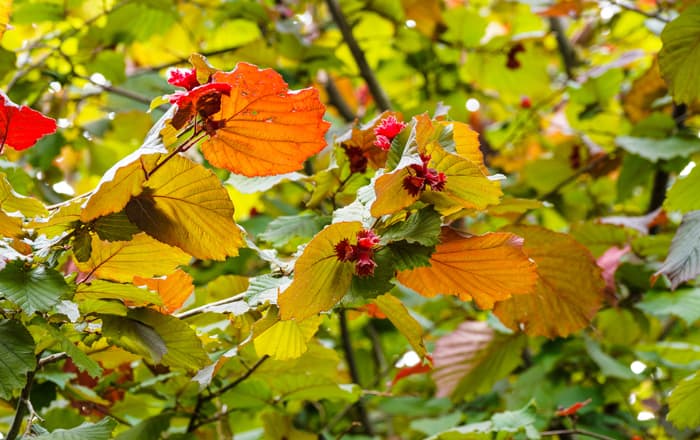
(186, 78)
(345, 251)
(386, 131)
(423, 178)
(362, 254)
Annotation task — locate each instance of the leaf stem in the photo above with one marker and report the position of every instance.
(367, 74)
(201, 309)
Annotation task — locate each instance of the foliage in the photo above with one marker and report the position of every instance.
(367, 219)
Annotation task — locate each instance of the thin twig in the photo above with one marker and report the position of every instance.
(352, 368)
(575, 432)
(236, 382)
(367, 74)
(52, 358)
(335, 98)
(201, 309)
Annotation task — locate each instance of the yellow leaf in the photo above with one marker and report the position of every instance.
(397, 313)
(5, 9)
(61, 220)
(287, 339)
(121, 182)
(185, 205)
(10, 201)
(487, 268)
(10, 226)
(99, 289)
(391, 195)
(467, 144)
(122, 260)
(569, 290)
(173, 289)
(320, 279)
(467, 186)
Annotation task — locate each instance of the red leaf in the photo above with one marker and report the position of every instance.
(410, 371)
(573, 409)
(20, 126)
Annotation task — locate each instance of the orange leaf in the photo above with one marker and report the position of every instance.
(263, 128)
(391, 195)
(410, 371)
(363, 137)
(173, 289)
(487, 268)
(569, 290)
(573, 409)
(467, 144)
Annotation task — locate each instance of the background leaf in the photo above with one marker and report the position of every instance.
(17, 354)
(32, 288)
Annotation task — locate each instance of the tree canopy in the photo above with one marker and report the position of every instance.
(349, 219)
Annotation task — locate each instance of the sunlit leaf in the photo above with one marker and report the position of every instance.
(683, 194)
(184, 204)
(397, 313)
(679, 58)
(487, 269)
(467, 144)
(124, 180)
(683, 260)
(263, 128)
(122, 260)
(21, 126)
(32, 288)
(286, 339)
(320, 279)
(684, 401)
(657, 149)
(391, 195)
(472, 358)
(17, 354)
(10, 201)
(173, 289)
(569, 288)
(99, 289)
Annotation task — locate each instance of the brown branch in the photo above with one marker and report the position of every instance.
(22, 406)
(367, 74)
(352, 368)
(576, 432)
(335, 98)
(566, 49)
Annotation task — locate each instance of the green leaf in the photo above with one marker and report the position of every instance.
(397, 313)
(151, 428)
(472, 358)
(422, 227)
(684, 303)
(82, 244)
(163, 338)
(683, 260)
(679, 59)
(684, 402)
(313, 387)
(32, 288)
(508, 421)
(282, 230)
(99, 289)
(609, 366)
(406, 256)
(16, 355)
(115, 227)
(101, 430)
(655, 149)
(683, 194)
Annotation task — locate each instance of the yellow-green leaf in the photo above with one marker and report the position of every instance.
(121, 182)
(320, 279)
(185, 205)
(391, 195)
(679, 58)
(10, 201)
(99, 289)
(287, 339)
(122, 260)
(569, 288)
(487, 269)
(397, 313)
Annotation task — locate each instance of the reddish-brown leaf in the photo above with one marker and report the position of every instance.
(263, 128)
(20, 126)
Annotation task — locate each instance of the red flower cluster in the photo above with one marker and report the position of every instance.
(386, 131)
(362, 253)
(204, 99)
(185, 78)
(423, 178)
(358, 160)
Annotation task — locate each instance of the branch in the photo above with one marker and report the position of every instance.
(367, 74)
(201, 309)
(574, 432)
(352, 367)
(335, 98)
(236, 382)
(52, 358)
(566, 50)
(22, 406)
